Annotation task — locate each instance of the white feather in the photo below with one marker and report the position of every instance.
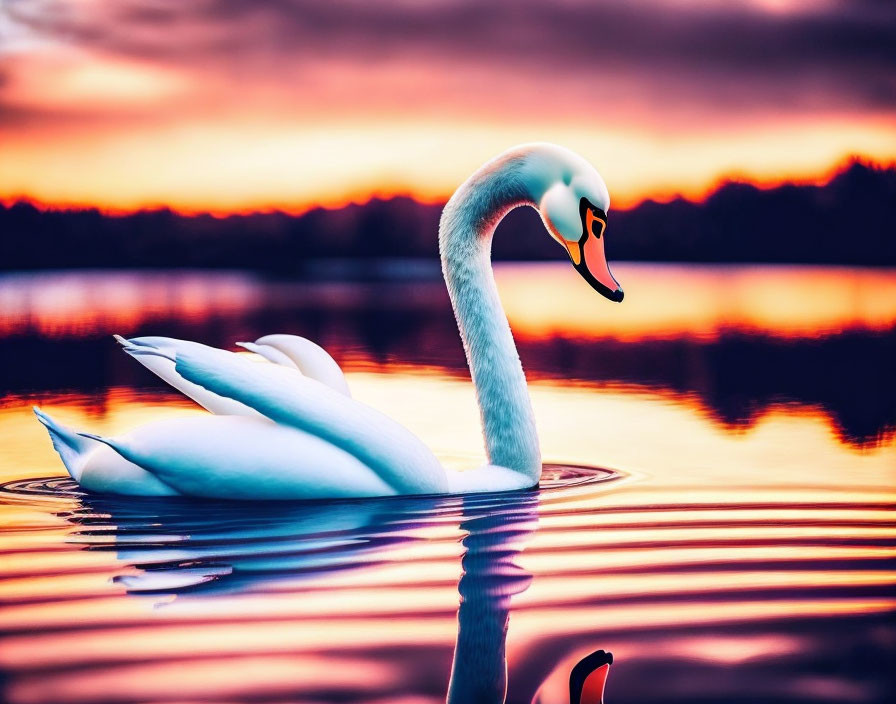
(245, 458)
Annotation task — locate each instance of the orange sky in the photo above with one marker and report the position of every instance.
(237, 106)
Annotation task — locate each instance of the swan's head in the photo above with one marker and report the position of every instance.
(573, 202)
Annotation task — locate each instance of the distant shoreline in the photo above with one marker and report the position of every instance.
(850, 220)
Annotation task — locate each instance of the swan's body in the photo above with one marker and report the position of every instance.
(290, 429)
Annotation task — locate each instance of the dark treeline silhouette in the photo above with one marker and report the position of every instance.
(849, 220)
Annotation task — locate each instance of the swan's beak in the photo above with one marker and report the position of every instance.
(589, 677)
(589, 259)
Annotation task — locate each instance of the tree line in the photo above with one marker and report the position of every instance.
(849, 220)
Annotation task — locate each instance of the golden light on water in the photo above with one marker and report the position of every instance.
(72, 304)
(661, 301)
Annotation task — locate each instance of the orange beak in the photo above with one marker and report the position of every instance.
(588, 256)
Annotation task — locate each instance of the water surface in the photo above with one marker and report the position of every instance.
(733, 539)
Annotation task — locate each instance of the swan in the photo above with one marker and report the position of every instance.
(289, 429)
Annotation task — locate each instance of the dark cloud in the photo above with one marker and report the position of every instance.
(837, 55)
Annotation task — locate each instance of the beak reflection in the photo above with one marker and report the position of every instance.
(589, 677)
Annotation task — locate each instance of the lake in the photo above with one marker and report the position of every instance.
(717, 507)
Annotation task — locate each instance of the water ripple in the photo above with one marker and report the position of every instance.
(554, 477)
(111, 591)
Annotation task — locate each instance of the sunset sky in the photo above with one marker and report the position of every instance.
(235, 105)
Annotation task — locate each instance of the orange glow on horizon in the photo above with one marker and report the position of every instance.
(240, 167)
(362, 196)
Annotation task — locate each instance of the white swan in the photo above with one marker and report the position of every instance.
(290, 429)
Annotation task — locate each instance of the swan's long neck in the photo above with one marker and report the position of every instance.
(465, 237)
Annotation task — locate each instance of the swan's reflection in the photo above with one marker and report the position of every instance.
(184, 548)
(490, 578)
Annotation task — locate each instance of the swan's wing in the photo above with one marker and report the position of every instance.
(311, 359)
(97, 467)
(146, 351)
(72, 448)
(392, 451)
(235, 457)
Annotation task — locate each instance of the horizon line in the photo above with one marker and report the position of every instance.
(364, 196)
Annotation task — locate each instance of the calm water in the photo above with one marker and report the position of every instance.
(733, 539)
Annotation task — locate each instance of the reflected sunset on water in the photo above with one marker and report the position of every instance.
(724, 543)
